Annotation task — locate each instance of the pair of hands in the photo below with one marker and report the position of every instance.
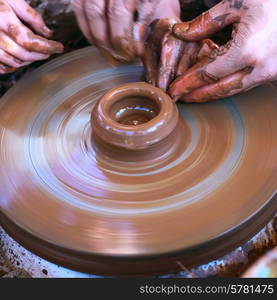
(19, 46)
(110, 24)
(98, 19)
(179, 57)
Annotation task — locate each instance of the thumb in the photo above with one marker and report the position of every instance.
(207, 23)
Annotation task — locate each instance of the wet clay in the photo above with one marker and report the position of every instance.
(134, 122)
(135, 118)
(210, 191)
(189, 30)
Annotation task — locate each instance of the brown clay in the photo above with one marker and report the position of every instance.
(208, 193)
(135, 120)
(228, 86)
(162, 53)
(40, 44)
(204, 23)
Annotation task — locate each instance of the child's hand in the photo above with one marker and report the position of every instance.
(19, 46)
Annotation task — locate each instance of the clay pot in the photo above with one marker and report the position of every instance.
(134, 121)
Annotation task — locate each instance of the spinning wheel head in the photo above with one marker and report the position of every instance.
(82, 194)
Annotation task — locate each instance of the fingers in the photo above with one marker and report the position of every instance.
(79, 10)
(194, 78)
(19, 46)
(28, 40)
(6, 69)
(12, 48)
(140, 36)
(151, 59)
(95, 14)
(172, 49)
(148, 11)
(121, 21)
(153, 49)
(227, 62)
(23, 36)
(189, 57)
(193, 52)
(91, 16)
(176, 56)
(30, 16)
(10, 60)
(219, 63)
(207, 48)
(207, 23)
(228, 86)
(108, 25)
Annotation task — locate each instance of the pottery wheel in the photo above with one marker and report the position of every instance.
(62, 201)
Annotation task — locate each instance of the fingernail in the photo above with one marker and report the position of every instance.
(47, 32)
(59, 48)
(53, 47)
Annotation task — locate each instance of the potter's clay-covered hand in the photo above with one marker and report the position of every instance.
(246, 61)
(119, 27)
(19, 46)
(167, 57)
